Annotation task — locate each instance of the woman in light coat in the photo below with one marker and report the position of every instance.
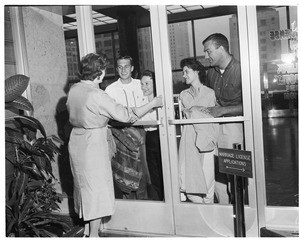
(90, 109)
(198, 142)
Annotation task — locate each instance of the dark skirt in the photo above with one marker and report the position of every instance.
(154, 162)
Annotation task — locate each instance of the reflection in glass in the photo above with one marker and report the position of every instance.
(104, 43)
(278, 43)
(146, 61)
(72, 53)
(180, 37)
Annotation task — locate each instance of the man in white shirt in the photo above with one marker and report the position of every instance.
(127, 91)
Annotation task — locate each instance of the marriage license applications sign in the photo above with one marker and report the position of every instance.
(235, 162)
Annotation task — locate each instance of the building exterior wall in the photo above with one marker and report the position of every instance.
(47, 63)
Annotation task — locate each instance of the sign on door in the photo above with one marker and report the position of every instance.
(235, 162)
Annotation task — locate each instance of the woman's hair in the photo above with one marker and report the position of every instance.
(150, 74)
(195, 65)
(92, 66)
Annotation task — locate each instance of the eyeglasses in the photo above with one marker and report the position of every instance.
(126, 67)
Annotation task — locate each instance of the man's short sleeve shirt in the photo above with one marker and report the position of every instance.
(227, 85)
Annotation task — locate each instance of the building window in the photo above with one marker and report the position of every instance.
(263, 22)
(263, 48)
(263, 41)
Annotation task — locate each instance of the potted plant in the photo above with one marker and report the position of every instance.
(31, 199)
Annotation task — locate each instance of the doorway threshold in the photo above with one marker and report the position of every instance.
(264, 232)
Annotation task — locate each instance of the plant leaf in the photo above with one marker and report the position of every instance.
(39, 125)
(20, 103)
(49, 218)
(26, 208)
(11, 220)
(49, 234)
(34, 123)
(34, 229)
(61, 222)
(34, 184)
(76, 231)
(12, 132)
(15, 86)
(57, 139)
(41, 163)
(25, 145)
(33, 170)
(18, 187)
(46, 149)
(53, 146)
(22, 183)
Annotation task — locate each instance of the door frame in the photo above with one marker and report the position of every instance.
(265, 216)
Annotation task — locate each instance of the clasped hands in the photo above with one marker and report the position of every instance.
(215, 111)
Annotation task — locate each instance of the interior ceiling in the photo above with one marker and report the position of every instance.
(108, 14)
(105, 16)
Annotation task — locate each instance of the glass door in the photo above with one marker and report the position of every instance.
(273, 35)
(176, 214)
(137, 37)
(183, 39)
